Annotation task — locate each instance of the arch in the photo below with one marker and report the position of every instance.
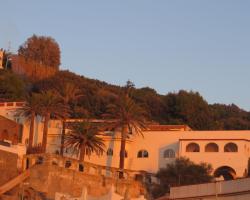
(228, 173)
(169, 153)
(231, 147)
(142, 154)
(211, 147)
(110, 152)
(193, 147)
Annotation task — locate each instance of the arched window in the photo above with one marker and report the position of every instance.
(110, 152)
(211, 147)
(169, 153)
(142, 154)
(230, 147)
(192, 147)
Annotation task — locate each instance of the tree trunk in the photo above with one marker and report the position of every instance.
(63, 137)
(45, 132)
(82, 152)
(122, 152)
(31, 133)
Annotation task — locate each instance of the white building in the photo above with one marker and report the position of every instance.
(227, 151)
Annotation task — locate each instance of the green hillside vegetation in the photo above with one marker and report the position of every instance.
(36, 70)
(183, 107)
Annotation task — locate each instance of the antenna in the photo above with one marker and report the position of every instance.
(9, 46)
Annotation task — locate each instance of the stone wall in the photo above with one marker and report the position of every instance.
(8, 166)
(49, 175)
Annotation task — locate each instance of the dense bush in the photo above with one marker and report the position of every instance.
(181, 172)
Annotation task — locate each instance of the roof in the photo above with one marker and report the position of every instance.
(169, 128)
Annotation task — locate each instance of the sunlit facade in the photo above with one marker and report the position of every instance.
(227, 151)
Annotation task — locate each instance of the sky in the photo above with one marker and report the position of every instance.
(167, 45)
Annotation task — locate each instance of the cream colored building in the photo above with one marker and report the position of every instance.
(227, 151)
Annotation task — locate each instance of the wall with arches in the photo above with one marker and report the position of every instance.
(164, 147)
(219, 152)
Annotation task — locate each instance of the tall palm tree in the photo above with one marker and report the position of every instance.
(68, 93)
(85, 139)
(129, 117)
(29, 111)
(51, 106)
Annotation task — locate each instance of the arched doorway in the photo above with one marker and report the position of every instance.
(226, 172)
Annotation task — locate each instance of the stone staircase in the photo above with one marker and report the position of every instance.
(14, 182)
(48, 174)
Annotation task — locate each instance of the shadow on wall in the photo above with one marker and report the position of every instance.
(167, 154)
(110, 152)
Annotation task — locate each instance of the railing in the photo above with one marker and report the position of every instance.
(12, 104)
(83, 167)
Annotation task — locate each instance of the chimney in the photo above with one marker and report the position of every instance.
(1, 59)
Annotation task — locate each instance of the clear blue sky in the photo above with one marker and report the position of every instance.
(164, 44)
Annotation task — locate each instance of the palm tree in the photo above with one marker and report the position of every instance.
(129, 117)
(68, 93)
(29, 111)
(85, 139)
(51, 106)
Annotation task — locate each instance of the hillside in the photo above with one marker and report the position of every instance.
(183, 107)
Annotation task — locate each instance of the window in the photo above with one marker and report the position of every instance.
(142, 154)
(211, 147)
(169, 153)
(193, 147)
(110, 152)
(230, 147)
